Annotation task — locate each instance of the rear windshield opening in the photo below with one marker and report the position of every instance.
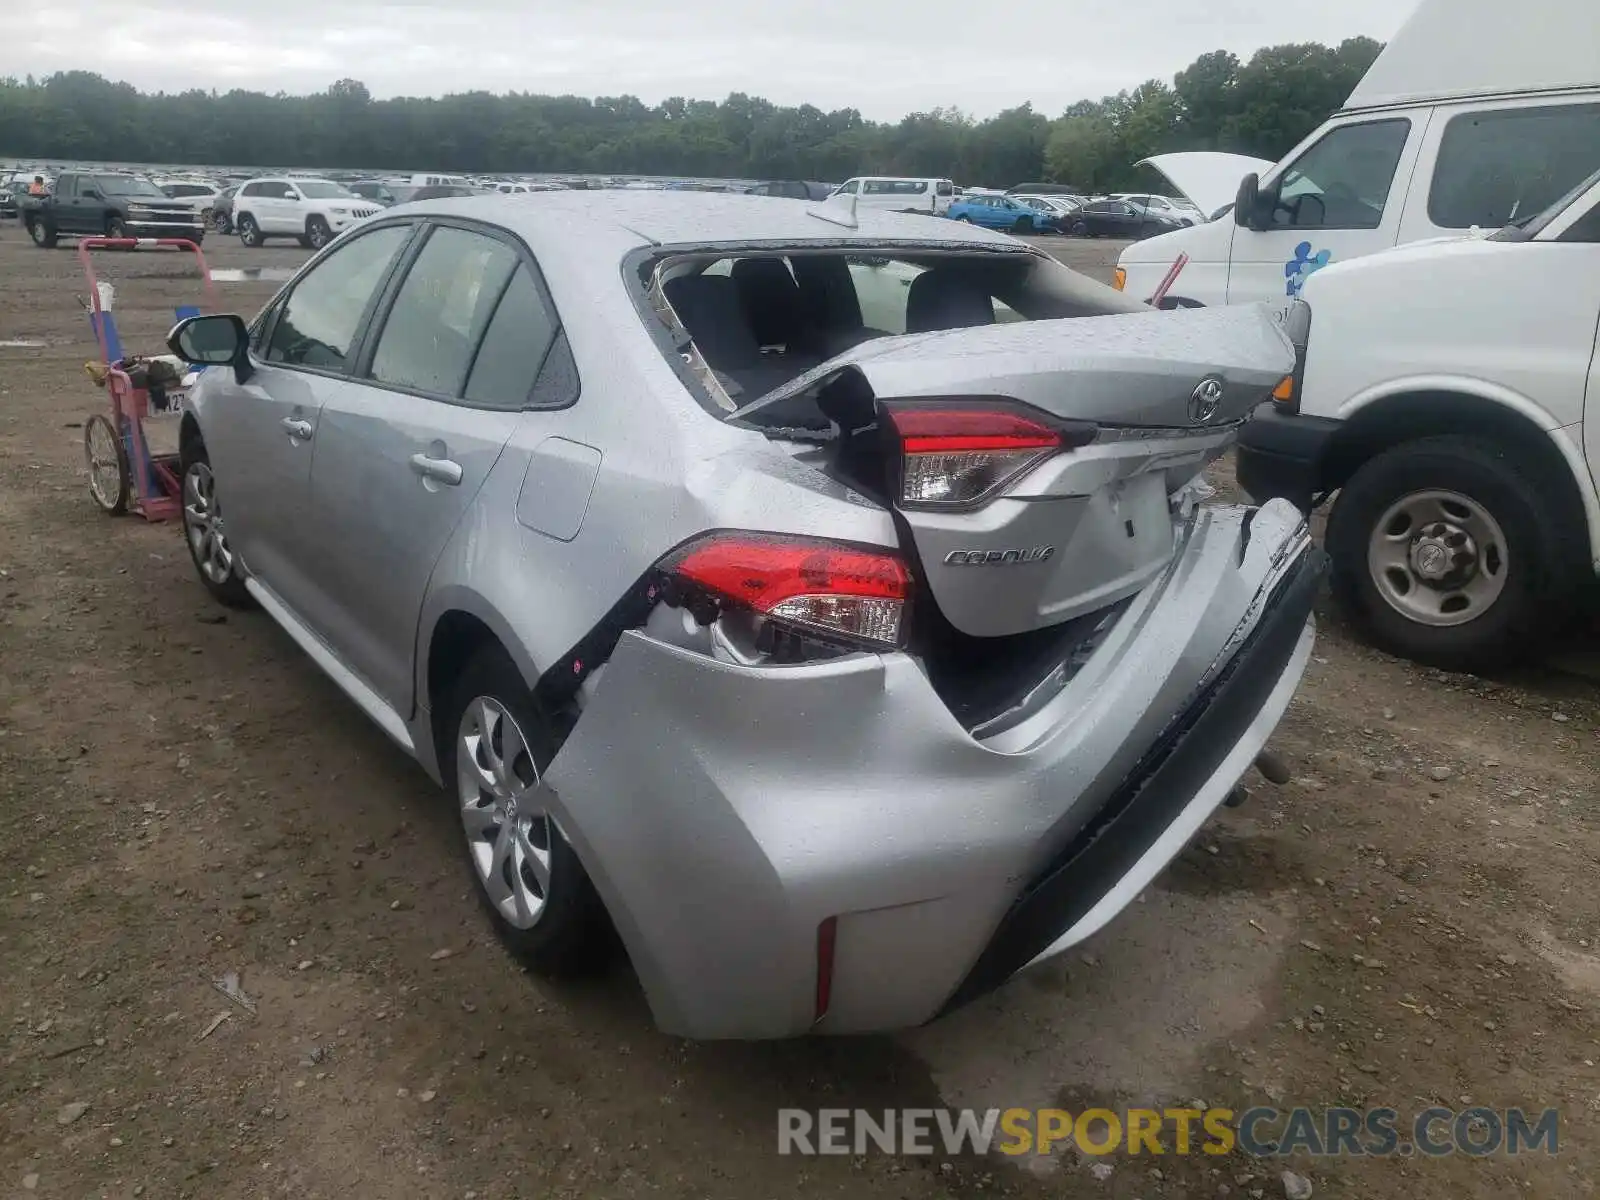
(761, 319)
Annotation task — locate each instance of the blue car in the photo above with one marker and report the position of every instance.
(1001, 212)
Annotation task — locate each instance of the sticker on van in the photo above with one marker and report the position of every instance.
(1302, 266)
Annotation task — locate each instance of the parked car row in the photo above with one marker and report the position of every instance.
(1049, 209)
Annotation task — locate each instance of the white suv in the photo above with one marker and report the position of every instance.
(311, 211)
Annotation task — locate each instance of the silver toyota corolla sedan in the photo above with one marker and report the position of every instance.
(817, 601)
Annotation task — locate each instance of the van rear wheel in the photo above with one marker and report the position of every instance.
(1449, 551)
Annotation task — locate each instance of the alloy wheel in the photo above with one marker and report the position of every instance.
(508, 837)
(202, 524)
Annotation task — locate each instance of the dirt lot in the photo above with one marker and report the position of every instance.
(1413, 921)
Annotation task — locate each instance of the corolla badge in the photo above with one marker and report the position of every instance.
(1302, 266)
(991, 558)
(1206, 400)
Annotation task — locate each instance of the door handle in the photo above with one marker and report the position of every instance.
(440, 470)
(297, 428)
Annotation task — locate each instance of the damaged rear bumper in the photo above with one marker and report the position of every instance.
(1164, 801)
(726, 812)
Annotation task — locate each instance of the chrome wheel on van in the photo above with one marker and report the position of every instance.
(1438, 557)
(1462, 552)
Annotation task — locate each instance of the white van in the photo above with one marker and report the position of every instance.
(1446, 404)
(900, 195)
(440, 181)
(1476, 113)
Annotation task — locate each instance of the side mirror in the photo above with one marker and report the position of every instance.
(1244, 202)
(1253, 206)
(213, 341)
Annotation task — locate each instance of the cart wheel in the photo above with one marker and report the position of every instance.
(109, 481)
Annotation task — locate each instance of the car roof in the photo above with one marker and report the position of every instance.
(704, 218)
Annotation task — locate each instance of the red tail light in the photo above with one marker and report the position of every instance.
(955, 453)
(856, 593)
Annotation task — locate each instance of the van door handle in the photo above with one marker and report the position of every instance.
(440, 470)
(297, 428)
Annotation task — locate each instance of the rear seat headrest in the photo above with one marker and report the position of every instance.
(941, 300)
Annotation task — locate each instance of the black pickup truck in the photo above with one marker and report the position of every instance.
(101, 204)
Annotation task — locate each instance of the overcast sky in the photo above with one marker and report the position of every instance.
(885, 57)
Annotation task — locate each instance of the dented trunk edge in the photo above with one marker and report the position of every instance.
(724, 811)
(1132, 369)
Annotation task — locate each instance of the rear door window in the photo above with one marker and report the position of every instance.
(441, 311)
(514, 346)
(1497, 167)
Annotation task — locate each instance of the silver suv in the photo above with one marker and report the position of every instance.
(817, 600)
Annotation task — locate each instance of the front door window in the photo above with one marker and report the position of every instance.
(1343, 180)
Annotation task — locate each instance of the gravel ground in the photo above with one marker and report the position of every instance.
(1411, 921)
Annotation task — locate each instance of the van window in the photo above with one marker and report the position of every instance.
(895, 187)
(1497, 167)
(1343, 180)
(945, 188)
(850, 188)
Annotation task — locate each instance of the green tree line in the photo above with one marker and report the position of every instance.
(1262, 106)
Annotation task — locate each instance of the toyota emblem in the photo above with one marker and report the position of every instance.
(1206, 400)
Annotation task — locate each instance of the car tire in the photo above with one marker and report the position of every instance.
(214, 561)
(249, 231)
(221, 223)
(116, 227)
(1479, 511)
(318, 234)
(540, 900)
(964, 219)
(43, 234)
(1080, 229)
(1024, 225)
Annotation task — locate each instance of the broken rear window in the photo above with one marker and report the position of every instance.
(760, 319)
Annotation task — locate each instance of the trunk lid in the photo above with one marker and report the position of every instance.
(1145, 401)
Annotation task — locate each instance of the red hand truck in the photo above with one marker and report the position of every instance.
(124, 476)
